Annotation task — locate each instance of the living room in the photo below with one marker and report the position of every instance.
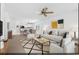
(27, 26)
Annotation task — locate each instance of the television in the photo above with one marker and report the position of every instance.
(1, 28)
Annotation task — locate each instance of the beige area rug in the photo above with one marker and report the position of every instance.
(29, 45)
(23, 40)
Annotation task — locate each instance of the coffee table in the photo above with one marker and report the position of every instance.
(42, 41)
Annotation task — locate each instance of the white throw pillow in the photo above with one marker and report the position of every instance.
(67, 40)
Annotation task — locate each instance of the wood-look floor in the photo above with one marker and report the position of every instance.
(13, 46)
(4, 50)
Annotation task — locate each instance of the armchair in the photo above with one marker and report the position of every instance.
(68, 46)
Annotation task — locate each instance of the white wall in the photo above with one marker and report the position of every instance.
(4, 18)
(20, 13)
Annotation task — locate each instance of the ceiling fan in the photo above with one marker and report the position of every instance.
(45, 11)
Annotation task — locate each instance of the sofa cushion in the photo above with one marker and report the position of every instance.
(53, 37)
(66, 41)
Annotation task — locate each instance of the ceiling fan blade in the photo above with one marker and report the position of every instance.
(49, 12)
(45, 12)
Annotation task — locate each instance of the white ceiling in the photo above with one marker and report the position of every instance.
(29, 10)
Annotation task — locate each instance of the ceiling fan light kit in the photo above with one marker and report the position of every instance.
(45, 11)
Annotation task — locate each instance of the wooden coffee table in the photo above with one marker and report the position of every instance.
(42, 41)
